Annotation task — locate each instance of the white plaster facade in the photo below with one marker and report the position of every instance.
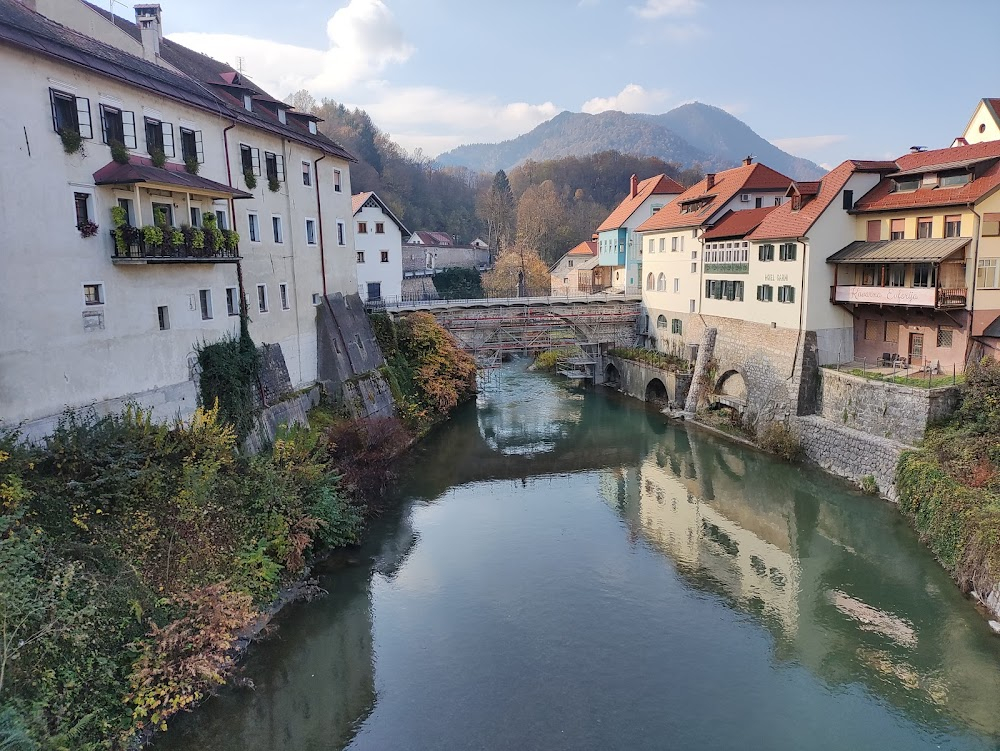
(378, 238)
(58, 350)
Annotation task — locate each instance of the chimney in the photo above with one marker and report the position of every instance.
(149, 19)
(594, 237)
(748, 160)
(709, 181)
(633, 186)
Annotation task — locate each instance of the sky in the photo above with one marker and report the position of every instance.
(824, 80)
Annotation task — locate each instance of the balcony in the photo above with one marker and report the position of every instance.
(132, 247)
(939, 298)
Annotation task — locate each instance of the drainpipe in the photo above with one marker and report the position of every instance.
(974, 269)
(319, 218)
(802, 305)
(285, 153)
(232, 213)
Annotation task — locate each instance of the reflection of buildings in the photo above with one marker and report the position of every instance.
(842, 590)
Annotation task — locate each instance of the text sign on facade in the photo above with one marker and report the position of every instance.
(727, 268)
(922, 296)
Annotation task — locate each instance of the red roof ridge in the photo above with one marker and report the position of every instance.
(735, 224)
(653, 186)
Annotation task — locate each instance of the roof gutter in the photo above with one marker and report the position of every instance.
(319, 218)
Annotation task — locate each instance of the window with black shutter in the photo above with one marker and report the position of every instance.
(82, 203)
(246, 158)
(848, 200)
(191, 148)
(766, 252)
(271, 165)
(154, 136)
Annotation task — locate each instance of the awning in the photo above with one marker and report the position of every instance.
(899, 251)
(149, 176)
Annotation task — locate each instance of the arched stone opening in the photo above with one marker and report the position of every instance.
(731, 383)
(611, 376)
(656, 392)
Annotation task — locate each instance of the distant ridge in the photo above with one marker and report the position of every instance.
(693, 135)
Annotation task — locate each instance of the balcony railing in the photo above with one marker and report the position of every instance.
(132, 246)
(918, 297)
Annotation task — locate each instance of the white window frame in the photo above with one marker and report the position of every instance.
(102, 297)
(307, 174)
(253, 221)
(338, 184)
(277, 229)
(283, 296)
(341, 234)
(205, 305)
(233, 301)
(309, 222)
(263, 303)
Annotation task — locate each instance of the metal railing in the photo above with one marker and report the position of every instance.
(530, 296)
(906, 371)
(953, 297)
(133, 246)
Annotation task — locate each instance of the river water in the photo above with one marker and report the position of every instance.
(566, 570)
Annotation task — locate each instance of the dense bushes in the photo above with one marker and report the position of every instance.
(548, 359)
(230, 373)
(779, 438)
(131, 553)
(651, 357)
(950, 488)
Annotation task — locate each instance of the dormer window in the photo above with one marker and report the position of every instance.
(281, 117)
(247, 103)
(906, 183)
(312, 127)
(955, 179)
(796, 202)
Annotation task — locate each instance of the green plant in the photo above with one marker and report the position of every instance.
(191, 165)
(197, 238)
(119, 153)
(273, 185)
(250, 179)
(778, 438)
(548, 359)
(152, 236)
(230, 369)
(87, 229)
(868, 485)
(214, 236)
(232, 239)
(72, 141)
(176, 238)
(160, 218)
(158, 157)
(650, 357)
(119, 216)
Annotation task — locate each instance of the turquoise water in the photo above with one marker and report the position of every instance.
(563, 569)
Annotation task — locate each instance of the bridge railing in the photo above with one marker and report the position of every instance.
(531, 296)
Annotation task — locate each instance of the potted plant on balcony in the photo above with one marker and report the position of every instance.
(72, 141)
(87, 229)
(250, 179)
(158, 157)
(119, 219)
(176, 238)
(232, 239)
(191, 165)
(152, 237)
(215, 240)
(118, 152)
(273, 185)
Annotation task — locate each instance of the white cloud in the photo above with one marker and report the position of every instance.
(633, 98)
(364, 41)
(807, 144)
(653, 9)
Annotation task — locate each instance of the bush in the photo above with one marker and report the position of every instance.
(158, 157)
(230, 369)
(119, 153)
(459, 284)
(72, 142)
(191, 165)
(651, 357)
(779, 438)
(250, 179)
(548, 359)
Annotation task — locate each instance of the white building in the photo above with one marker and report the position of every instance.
(378, 248)
(91, 320)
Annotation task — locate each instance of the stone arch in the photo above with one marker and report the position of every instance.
(732, 383)
(611, 375)
(656, 392)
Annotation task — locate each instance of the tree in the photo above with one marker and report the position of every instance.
(497, 208)
(301, 100)
(518, 272)
(540, 215)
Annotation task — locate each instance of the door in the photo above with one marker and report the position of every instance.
(916, 349)
(374, 290)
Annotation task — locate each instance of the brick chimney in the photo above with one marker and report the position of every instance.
(633, 186)
(149, 19)
(709, 180)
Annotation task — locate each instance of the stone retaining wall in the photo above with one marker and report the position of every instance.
(293, 411)
(883, 409)
(850, 453)
(635, 377)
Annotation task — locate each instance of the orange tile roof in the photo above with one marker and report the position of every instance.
(586, 248)
(738, 223)
(785, 222)
(749, 177)
(882, 197)
(357, 201)
(654, 186)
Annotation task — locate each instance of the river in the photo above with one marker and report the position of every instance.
(565, 569)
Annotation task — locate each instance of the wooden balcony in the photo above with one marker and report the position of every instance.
(938, 298)
(133, 249)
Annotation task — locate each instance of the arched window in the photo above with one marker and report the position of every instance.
(661, 283)
(649, 281)
(661, 322)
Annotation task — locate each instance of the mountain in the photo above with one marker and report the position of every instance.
(693, 135)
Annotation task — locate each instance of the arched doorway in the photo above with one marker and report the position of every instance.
(656, 392)
(611, 376)
(731, 384)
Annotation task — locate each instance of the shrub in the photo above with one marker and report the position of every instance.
(250, 179)
(273, 185)
(869, 485)
(650, 357)
(119, 153)
(191, 165)
(459, 284)
(72, 141)
(158, 157)
(230, 369)
(779, 438)
(548, 359)
(87, 229)
(152, 236)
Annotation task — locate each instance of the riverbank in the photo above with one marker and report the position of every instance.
(137, 558)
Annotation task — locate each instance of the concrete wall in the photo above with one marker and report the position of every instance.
(634, 378)
(293, 411)
(882, 409)
(851, 453)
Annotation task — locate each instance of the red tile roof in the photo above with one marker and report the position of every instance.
(804, 188)
(882, 197)
(735, 224)
(749, 177)
(141, 170)
(786, 223)
(359, 200)
(659, 185)
(586, 248)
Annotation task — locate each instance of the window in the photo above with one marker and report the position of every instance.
(384, 256)
(311, 232)
(694, 268)
(873, 330)
(765, 252)
(262, 298)
(661, 283)
(953, 226)
(897, 274)
(341, 234)
(81, 202)
(274, 166)
(569, 263)
(923, 275)
(991, 224)
(796, 202)
(986, 273)
(786, 293)
(848, 203)
(661, 322)
(282, 117)
(676, 327)
(663, 242)
(70, 113)
(892, 331)
(159, 137)
(317, 298)
(195, 216)
(896, 229)
(118, 126)
(361, 256)
(337, 186)
(374, 293)
(379, 228)
(954, 179)
(253, 224)
(758, 203)
(163, 212)
(777, 200)
(786, 251)
(232, 301)
(93, 294)
(283, 293)
(247, 103)
(362, 228)
(191, 146)
(306, 173)
(205, 302)
(163, 317)
(924, 227)
(765, 292)
(691, 305)
(222, 219)
(277, 230)
(250, 159)
(945, 336)
(312, 127)
(874, 230)
(649, 281)
(869, 275)
(673, 244)
(677, 284)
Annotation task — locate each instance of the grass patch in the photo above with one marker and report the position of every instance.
(922, 382)
(652, 357)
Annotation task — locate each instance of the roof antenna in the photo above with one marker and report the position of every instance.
(240, 63)
(917, 149)
(111, 9)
